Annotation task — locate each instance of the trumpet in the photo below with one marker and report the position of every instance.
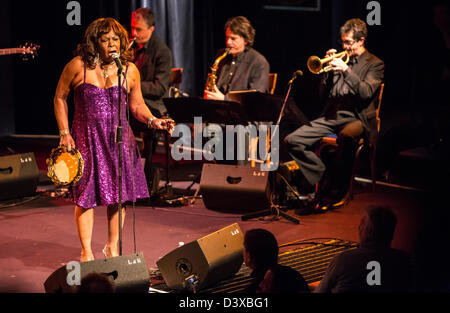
(317, 65)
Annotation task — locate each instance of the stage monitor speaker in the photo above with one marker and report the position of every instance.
(205, 261)
(234, 188)
(19, 176)
(127, 273)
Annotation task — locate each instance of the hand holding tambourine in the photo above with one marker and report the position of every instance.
(65, 167)
(66, 141)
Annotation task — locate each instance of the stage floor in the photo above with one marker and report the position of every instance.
(39, 236)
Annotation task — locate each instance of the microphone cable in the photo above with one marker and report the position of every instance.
(130, 151)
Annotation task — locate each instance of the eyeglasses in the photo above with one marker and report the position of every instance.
(347, 42)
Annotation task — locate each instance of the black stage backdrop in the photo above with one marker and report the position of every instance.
(407, 40)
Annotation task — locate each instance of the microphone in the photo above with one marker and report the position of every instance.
(116, 59)
(179, 92)
(295, 75)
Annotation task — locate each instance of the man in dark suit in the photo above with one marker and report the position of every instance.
(154, 60)
(350, 112)
(244, 68)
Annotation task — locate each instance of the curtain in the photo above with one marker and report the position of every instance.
(175, 25)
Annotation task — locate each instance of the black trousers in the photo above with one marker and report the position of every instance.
(301, 144)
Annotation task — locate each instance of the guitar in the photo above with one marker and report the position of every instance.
(27, 51)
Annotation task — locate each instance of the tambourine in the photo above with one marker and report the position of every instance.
(65, 167)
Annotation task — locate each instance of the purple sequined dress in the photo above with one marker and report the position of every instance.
(94, 123)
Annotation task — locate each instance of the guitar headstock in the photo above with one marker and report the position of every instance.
(29, 50)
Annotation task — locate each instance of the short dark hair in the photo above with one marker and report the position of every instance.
(241, 26)
(382, 221)
(96, 283)
(147, 15)
(358, 27)
(262, 247)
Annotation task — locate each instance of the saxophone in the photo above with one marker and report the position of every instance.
(212, 77)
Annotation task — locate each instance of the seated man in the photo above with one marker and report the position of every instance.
(374, 266)
(261, 255)
(350, 111)
(243, 68)
(154, 60)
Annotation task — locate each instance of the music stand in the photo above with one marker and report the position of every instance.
(185, 109)
(245, 107)
(266, 107)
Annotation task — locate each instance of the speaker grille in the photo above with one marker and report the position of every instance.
(210, 259)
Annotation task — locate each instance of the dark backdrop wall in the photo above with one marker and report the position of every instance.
(286, 38)
(6, 76)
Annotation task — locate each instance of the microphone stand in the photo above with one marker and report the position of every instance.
(277, 125)
(294, 76)
(286, 215)
(119, 141)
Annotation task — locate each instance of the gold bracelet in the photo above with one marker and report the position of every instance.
(64, 132)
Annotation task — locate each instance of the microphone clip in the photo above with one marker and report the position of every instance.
(295, 75)
(116, 59)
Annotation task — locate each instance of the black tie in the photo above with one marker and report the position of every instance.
(352, 61)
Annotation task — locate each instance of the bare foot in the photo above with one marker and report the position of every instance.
(86, 256)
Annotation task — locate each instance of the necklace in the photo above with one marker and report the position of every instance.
(105, 70)
(105, 73)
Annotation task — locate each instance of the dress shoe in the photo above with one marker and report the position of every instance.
(326, 203)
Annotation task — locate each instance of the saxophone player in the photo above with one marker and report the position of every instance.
(242, 68)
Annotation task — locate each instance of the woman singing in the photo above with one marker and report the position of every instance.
(92, 75)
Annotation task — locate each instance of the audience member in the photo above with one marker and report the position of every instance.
(261, 255)
(374, 266)
(96, 283)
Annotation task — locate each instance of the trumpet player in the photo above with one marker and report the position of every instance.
(350, 88)
(242, 68)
